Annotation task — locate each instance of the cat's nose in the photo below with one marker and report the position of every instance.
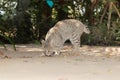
(50, 54)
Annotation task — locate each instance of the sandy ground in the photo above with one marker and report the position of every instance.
(91, 63)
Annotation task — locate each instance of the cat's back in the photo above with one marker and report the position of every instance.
(52, 32)
(69, 23)
(65, 28)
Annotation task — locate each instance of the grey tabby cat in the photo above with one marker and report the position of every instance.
(69, 29)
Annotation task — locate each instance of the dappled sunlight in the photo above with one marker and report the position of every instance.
(113, 51)
(29, 48)
(32, 50)
(21, 46)
(1, 47)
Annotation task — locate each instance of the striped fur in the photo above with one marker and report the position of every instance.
(69, 29)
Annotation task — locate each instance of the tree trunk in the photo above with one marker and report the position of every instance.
(90, 11)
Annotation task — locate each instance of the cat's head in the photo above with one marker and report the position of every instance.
(48, 51)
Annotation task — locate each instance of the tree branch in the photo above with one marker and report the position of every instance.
(116, 9)
(109, 15)
(105, 10)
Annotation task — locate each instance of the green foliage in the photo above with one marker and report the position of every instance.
(10, 40)
(101, 35)
(116, 30)
(23, 26)
(1, 43)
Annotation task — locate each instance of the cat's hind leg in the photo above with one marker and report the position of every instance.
(76, 44)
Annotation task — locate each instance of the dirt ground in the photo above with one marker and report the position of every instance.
(91, 63)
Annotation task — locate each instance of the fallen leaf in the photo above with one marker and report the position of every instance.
(7, 57)
(1, 53)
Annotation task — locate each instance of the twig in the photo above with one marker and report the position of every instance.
(105, 10)
(116, 9)
(109, 15)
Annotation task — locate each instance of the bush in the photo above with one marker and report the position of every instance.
(101, 35)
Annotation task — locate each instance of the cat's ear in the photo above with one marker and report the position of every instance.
(43, 43)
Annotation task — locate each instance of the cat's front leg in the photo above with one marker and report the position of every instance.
(57, 52)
